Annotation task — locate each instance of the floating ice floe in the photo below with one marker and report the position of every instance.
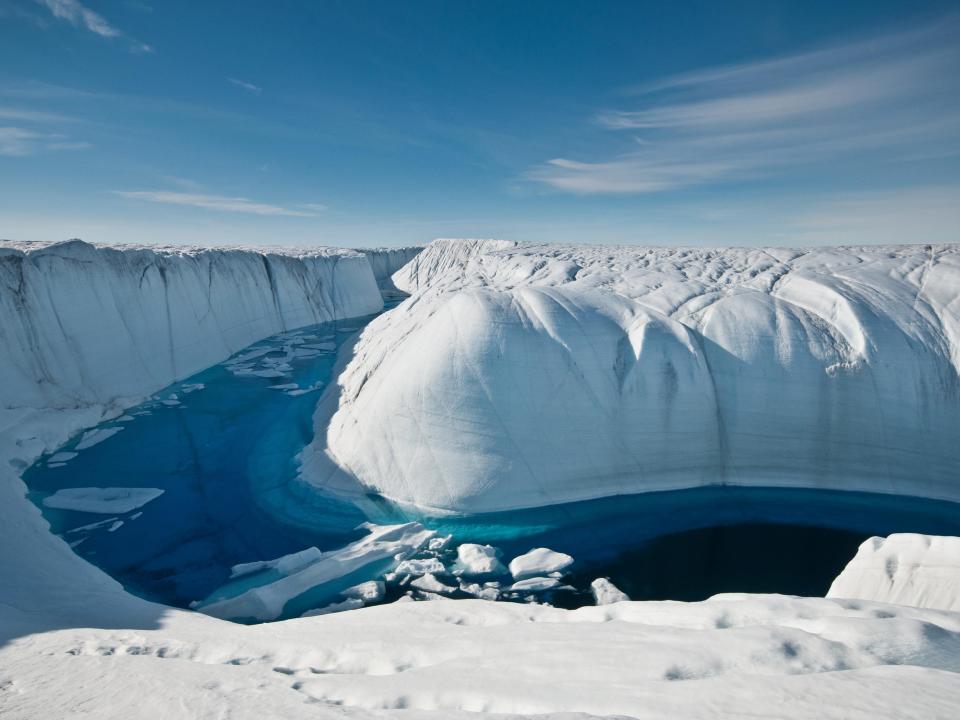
(488, 591)
(535, 585)
(284, 565)
(385, 544)
(303, 391)
(61, 457)
(192, 387)
(93, 526)
(101, 500)
(474, 560)
(96, 436)
(606, 593)
(419, 566)
(430, 583)
(348, 604)
(539, 561)
(369, 592)
(439, 543)
(328, 346)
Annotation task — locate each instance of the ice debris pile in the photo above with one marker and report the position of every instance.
(405, 562)
(520, 375)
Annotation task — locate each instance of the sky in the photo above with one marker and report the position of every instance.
(390, 123)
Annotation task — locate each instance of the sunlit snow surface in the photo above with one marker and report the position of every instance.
(212, 465)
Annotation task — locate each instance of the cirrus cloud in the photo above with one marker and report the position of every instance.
(78, 15)
(212, 202)
(882, 99)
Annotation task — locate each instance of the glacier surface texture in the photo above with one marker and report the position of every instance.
(525, 375)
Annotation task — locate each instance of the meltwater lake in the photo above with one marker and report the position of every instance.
(222, 447)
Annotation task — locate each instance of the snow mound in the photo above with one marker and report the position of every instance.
(906, 569)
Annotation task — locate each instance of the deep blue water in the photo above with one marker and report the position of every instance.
(225, 458)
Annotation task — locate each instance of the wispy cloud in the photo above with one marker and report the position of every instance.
(28, 115)
(249, 87)
(213, 202)
(884, 98)
(19, 142)
(78, 15)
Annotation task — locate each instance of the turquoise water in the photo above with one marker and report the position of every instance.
(225, 456)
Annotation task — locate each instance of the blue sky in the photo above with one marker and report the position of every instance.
(387, 123)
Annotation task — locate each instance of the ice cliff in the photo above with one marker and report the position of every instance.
(906, 569)
(386, 261)
(83, 325)
(524, 375)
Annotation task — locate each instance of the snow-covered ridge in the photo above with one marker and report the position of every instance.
(524, 375)
(82, 325)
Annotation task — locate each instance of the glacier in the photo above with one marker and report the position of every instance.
(520, 375)
(83, 325)
(72, 640)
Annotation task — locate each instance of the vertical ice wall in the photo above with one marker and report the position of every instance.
(526, 375)
(83, 325)
(386, 261)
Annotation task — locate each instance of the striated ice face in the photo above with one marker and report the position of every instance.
(519, 376)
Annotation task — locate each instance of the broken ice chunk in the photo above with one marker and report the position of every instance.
(348, 604)
(440, 543)
(429, 583)
(368, 592)
(478, 591)
(539, 561)
(93, 526)
(284, 565)
(420, 567)
(535, 584)
(473, 560)
(606, 593)
(267, 602)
